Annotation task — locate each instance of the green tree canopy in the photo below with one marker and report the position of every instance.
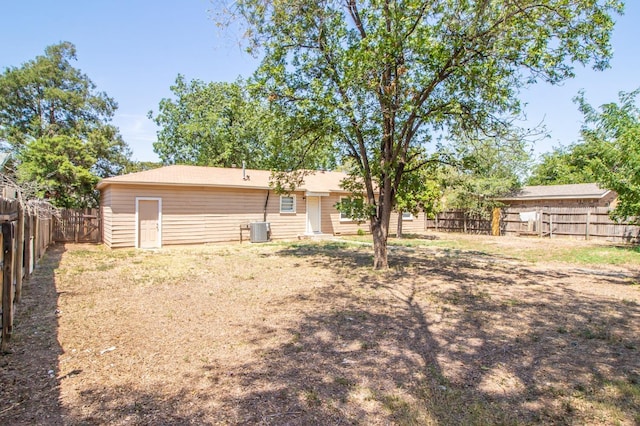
(47, 96)
(221, 124)
(61, 168)
(613, 132)
(57, 124)
(385, 76)
(421, 189)
(565, 165)
(208, 124)
(482, 170)
(608, 153)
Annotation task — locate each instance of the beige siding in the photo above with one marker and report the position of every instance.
(196, 215)
(331, 223)
(192, 215)
(107, 216)
(409, 226)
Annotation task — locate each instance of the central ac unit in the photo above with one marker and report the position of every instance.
(259, 232)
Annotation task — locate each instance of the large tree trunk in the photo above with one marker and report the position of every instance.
(399, 228)
(379, 233)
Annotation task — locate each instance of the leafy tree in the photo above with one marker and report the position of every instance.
(112, 154)
(482, 170)
(565, 165)
(47, 96)
(608, 153)
(207, 124)
(613, 132)
(61, 168)
(385, 76)
(57, 124)
(141, 166)
(421, 189)
(221, 124)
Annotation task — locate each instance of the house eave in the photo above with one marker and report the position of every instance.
(557, 197)
(103, 184)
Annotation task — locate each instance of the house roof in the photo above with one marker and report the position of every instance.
(558, 192)
(178, 175)
(4, 156)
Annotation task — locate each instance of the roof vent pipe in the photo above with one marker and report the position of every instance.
(244, 171)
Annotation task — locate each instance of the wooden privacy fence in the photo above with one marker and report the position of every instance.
(79, 226)
(24, 237)
(574, 222)
(459, 221)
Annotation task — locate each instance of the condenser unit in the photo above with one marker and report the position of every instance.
(259, 232)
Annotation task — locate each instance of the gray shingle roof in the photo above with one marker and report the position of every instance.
(551, 192)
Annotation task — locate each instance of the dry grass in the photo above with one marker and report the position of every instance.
(307, 333)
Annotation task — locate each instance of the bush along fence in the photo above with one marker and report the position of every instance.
(26, 234)
(572, 222)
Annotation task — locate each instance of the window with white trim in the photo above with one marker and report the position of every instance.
(407, 216)
(287, 204)
(356, 207)
(344, 216)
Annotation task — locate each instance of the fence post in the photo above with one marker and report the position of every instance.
(28, 254)
(76, 227)
(586, 228)
(20, 253)
(7, 285)
(495, 222)
(540, 212)
(36, 240)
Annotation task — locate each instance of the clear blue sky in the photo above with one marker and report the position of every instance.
(134, 49)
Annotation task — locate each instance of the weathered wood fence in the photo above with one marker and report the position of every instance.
(459, 221)
(25, 236)
(79, 226)
(574, 222)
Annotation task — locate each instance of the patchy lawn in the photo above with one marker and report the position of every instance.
(461, 330)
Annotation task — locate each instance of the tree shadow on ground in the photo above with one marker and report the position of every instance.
(125, 405)
(30, 373)
(446, 341)
(439, 338)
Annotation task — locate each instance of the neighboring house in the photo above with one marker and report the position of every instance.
(575, 195)
(196, 205)
(4, 157)
(6, 191)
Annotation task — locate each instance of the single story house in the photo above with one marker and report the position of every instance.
(573, 195)
(196, 205)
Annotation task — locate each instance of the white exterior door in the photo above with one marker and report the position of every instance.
(148, 223)
(313, 215)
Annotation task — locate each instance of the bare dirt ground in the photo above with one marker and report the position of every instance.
(307, 333)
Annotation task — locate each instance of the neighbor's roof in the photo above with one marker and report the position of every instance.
(558, 192)
(4, 156)
(316, 181)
